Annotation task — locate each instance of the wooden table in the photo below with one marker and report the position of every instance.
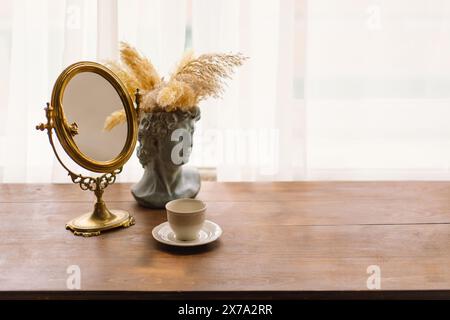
(280, 240)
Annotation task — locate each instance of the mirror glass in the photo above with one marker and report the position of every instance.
(88, 100)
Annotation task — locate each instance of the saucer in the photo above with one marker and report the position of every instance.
(209, 233)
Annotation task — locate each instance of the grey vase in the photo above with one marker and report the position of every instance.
(165, 143)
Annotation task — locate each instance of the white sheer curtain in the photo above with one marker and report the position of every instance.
(257, 130)
(351, 89)
(39, 38)
(378, 89)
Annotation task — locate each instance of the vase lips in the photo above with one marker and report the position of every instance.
(186, 206)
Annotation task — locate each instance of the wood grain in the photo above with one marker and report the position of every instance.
(281, 239)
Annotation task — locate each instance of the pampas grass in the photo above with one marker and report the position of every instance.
(207, 73)
(128, 78)
(176, 94)
(116, 118)
(188, 56)
(193, 80)
(141, 68)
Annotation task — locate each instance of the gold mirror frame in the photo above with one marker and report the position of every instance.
(101, 218)
(64, 132)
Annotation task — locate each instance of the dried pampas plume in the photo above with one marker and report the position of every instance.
(188, 56)
(128, 78)
(207, 73)
(194, 79)
(176, 94)
(141, 68)
(116, 118)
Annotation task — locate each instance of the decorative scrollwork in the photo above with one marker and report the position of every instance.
(95, 184)
(72, 128)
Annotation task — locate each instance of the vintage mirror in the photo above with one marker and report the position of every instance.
(83, 96)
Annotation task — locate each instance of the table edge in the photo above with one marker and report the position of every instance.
(228, 295)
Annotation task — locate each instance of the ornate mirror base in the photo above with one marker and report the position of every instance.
(89, 224)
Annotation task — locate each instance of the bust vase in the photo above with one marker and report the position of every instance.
(165, 143)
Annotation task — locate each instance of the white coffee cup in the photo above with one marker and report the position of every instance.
(186, 217)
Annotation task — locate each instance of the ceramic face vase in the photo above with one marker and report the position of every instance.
(165, 143)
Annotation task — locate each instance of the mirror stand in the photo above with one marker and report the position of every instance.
(101, 218)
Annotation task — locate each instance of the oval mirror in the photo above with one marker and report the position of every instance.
(82, 98)
(84, 95)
